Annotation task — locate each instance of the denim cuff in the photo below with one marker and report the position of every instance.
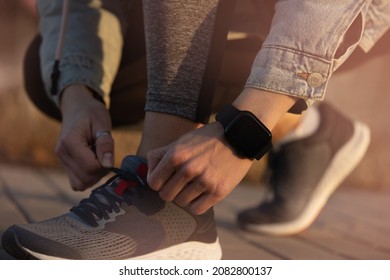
(293, 73)
(83, 71)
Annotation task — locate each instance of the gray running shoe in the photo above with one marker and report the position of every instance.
(122, 219)
(304, 173)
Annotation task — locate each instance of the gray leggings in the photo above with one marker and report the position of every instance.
(209, 75)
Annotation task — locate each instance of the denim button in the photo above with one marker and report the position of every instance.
(314, 79)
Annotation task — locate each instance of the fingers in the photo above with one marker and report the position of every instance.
(197, 170)
(85, 147)
(204, 203)
(80, 163)
(194, 195)
(198, 196)
(104, 146)
(81, 180)
(84, 165)
(184, 184)
(172, 189)
(158, 172)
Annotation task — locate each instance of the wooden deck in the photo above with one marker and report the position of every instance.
(355, 224)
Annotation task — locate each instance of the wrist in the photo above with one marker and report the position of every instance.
(75, 95)
(267, 106)
(249, 121)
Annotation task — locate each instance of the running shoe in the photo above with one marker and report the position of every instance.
(304, 173)
(122, 219)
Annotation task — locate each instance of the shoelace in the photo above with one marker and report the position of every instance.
(94, 208)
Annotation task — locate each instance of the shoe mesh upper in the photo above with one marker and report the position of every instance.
(298, 168)
(144, 224)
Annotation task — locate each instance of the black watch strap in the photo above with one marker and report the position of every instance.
(227, 114)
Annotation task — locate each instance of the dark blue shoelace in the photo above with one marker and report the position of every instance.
(94, 209)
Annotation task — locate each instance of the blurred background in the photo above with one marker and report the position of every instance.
(27, 135)
(361, 88)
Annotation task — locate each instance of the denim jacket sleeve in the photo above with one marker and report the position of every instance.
(307, 41)
(92, 45)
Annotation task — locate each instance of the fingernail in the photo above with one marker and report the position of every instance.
(107, 160)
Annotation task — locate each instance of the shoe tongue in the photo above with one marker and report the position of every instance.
(135, 165)
(131, 174)
(131, 164)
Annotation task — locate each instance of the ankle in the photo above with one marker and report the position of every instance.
(161, 130)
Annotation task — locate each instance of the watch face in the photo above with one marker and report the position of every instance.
(248, 135)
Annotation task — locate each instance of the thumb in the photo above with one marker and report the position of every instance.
(154, 157)
(104, 145)
(154, 176)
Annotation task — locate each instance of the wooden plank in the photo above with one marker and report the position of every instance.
(360, 215)
(352, 224)
(293, 248)
(58, 180)
(355, 229)
(233, 240)
(236, 247)
(10, 214)
(278, 247)
(341, 244)
(33, 196)
(369, 207)
(317, 243)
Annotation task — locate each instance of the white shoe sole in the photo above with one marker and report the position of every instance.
(344, 161)
(185, 251)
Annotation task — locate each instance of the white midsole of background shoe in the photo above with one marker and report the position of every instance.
(345, 160)
(192, 250)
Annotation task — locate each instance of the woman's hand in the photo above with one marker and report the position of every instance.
(84, 156)
(198, 170)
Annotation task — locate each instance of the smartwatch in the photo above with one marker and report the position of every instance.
(247, 135)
